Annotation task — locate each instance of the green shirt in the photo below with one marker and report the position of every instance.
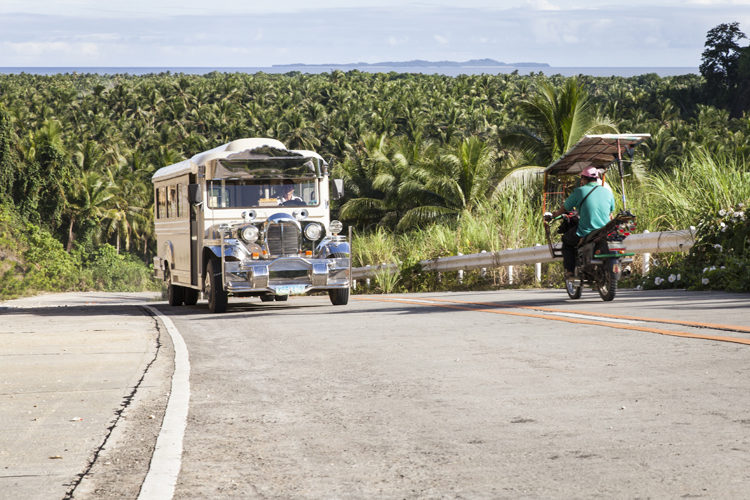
(595, 210)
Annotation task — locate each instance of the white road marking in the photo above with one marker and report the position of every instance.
(167, 458)
(595, 318)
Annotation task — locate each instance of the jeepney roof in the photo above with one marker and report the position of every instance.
(237, 149)
(594, 150)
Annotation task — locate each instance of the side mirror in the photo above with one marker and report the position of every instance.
(338, 189)
(195, 194)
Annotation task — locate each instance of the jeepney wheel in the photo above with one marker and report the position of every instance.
(339, 296)
(191, 296)
(281, 298)
(175, 293)
(212, 286)
(266, 298)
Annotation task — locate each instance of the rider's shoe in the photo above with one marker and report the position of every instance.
(569, 275)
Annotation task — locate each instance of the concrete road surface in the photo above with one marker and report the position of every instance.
(71, 367)
(466, 395)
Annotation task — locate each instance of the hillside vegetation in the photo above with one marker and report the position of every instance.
(433, 165)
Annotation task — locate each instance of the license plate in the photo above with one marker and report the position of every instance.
(289, 289)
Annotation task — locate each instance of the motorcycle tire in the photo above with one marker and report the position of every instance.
(608, 281)
(574, 292)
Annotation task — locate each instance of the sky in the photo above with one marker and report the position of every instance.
(261, 33)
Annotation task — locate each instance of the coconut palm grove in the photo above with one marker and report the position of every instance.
(433, 165)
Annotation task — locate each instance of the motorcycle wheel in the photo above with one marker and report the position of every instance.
(574, 292)
(608, 281)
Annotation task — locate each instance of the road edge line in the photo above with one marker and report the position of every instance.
(166, 460)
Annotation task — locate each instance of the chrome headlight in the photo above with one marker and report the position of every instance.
(336, 227)
(313, 231)
(249, 234)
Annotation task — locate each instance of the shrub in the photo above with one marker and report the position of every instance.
(718, 260)
(107, 270)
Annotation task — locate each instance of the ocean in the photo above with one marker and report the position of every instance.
(624, 71)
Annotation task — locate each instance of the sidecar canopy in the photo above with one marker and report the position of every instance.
(595, 150)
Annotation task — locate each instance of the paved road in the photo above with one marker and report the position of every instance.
(71, 368)
(406, 397)
(481, 395)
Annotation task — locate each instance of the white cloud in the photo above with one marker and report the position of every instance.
(395, 41)
(541, 5)
(440, 39)
(51, 49)
(718, 3)
(558, 32)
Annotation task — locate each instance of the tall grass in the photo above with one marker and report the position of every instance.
(511, 221)
(703, 184)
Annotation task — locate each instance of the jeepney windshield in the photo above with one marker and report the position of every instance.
(262, 193)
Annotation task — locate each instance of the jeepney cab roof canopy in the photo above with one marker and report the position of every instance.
(595, 151)
(254, 158)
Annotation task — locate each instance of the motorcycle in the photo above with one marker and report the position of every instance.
(601, 256)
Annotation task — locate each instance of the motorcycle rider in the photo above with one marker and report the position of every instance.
(594, 204)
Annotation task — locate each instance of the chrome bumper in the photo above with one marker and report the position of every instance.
(286, 275)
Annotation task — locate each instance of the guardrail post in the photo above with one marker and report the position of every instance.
(538, 268)
(483, 270)
(646, 258)
(460, 273)
(510, 273)
(354, 284)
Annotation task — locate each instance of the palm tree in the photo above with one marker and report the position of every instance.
(87, 204)
(393, 190)
(557, 118)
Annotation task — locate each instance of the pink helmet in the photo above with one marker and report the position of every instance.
(591, 172)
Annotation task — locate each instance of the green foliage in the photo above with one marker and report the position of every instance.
(33, 261)
(430, 155)
(50, 267)
(725, 67)
(112, 271)
(719, 259)
(703, 184)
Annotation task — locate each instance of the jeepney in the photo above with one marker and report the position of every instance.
(249, 218)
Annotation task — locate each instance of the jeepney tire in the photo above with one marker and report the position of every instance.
(339, 296)
(266, 298)
(217, 296)
(175, 293)
(191, 296)
(281, 298)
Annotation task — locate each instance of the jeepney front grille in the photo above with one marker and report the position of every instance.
(283, 239)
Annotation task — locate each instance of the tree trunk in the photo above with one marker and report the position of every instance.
(71, 235)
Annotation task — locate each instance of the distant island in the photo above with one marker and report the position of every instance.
(419, 63)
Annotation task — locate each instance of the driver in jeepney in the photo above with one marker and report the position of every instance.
(287, 198)
(594, 204)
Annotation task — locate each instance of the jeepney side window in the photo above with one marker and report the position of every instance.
(182, 200)
(172, 201)
(161, 203)
(218, 197)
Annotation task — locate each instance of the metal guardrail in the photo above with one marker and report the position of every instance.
(642, 243)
